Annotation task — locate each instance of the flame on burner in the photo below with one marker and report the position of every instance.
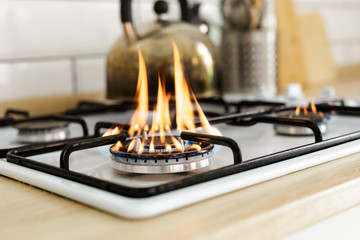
(112, 131)
(313, 107)
(138, 121)
(184, 108)
(131, 146)
(305, 110)
(333, 112)
(194, 147)
(161, 118)
(161, 121)
(118, 145)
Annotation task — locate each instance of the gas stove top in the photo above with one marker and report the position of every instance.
(251, 150)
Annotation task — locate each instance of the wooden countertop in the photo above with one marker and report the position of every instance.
(267, 210)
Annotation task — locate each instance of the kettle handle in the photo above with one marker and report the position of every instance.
(126, 18)
(125, 11)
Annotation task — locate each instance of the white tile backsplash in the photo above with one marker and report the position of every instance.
(48, 28)
(338, 54)
(58, 46)
(342, 25)
(90, 74)
(348, 54)
(34, 79)
(356, 53)
(341, 20)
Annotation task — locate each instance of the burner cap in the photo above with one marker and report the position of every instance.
(162, 162)
(42, 131)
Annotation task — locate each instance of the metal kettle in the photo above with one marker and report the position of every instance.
(199, 56)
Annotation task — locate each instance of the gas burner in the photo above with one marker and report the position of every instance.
(160, 159)
(42, 131)
(317, 118)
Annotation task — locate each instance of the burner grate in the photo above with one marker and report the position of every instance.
(21, 156)
(61, 119)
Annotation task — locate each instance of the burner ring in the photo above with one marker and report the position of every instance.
(162, 163)
(42, 131)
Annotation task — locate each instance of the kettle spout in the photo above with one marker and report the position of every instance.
(130, 32)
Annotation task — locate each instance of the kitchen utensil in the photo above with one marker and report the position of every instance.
(249, 49)
(199, 56)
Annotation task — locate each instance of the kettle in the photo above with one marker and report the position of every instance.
(199, 56)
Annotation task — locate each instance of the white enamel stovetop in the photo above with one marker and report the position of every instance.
(254, 141)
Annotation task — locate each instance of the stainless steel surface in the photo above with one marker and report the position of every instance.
(254, 141)
(160, 161)
(237, 13)
(298, 131)
(42, 131)
(172, 166)
(250, 60)
(249, 55)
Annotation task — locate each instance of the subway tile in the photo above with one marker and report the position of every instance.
(34, 79)
(90, 74)
(174, 11)
(325, 4)
(348, 54)
(137, 14)
(211, 13)
(338, 55)
(48, 28)
(143, 16)
(356, 53)
(342, 25)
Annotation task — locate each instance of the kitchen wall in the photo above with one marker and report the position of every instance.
(58, 47)
(342, 20)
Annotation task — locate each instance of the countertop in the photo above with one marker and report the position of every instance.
(267, 210)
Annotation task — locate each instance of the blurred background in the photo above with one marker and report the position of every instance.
(59, 47)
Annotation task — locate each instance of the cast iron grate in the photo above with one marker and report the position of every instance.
(11, 121)
(20, 156)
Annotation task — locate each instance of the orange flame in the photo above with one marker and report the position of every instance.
(161, 122)
(139, 119)
(161, 118)
(184, 109)
(111, 131)
(204, 122)
(131, 145)
(118, 145)
(152, 147)
(177, 144)
(194, 147)
(168, 148)
(313, 107)
(305, 110)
